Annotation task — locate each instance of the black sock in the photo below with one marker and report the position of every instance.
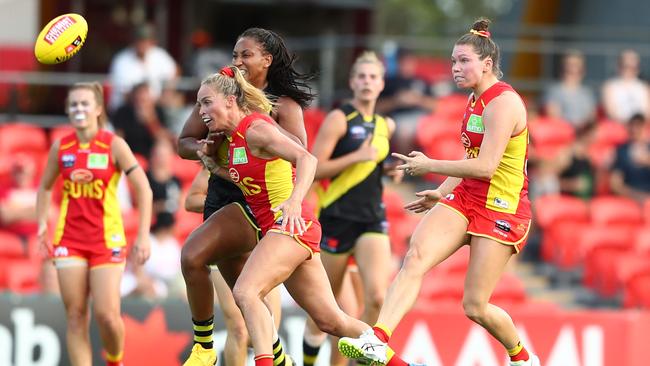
(309, 353)
(203, 332)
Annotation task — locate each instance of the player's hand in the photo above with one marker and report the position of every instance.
(210, 144)
(427, 200)
(416, 163)
(366, 152)
(207, 161)
(141, 250)
(292, 216)
(44, 242)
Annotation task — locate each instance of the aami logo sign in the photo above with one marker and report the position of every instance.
(28, 337)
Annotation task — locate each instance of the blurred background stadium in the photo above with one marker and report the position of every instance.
(580, 291)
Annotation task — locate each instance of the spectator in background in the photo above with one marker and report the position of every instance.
(141, 121)
(626, 94)
(568, 98)
(161, 276)
(174, 107)
(142, 62)
(166, 187)
(577, 174)
(630, 174)
(18, 201)
(406, 98)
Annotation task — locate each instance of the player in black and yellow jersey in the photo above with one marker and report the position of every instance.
(351, 147)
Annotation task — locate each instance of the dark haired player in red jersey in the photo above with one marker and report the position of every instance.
(483, 203)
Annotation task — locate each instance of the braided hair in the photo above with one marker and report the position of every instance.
(282, 77)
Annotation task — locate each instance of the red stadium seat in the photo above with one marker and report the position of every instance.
(549, 136)
(186, 222)
(637, 291)
(185, 170)
(610, 133)
(22, 137)
(393, 203)
(560, 243)
(452, 107)
(433, 128)
(615, 210)
(23, 276)
(456, 264)
(11, 246)
(600, 245)
(56, 133)
(551, 209)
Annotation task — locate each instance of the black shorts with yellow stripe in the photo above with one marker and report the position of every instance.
(340, 235)
(222, 193)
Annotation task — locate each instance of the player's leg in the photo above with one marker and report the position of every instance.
(235, 349)
(313, 338)
(487, 261)
(373, 256)
(105, 290)
(73, 283)
(274, 258)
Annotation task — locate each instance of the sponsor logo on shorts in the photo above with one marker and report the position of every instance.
(521, 227)
(81, 176)
(500, 202)
(450, 196)
(61, 251)
(239, 156)
(234, 174)
(68, 160)
(502, 225)
(97, 161)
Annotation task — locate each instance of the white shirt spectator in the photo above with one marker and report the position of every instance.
(127, 70)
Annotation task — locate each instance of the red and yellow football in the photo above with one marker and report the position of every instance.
(61, 39)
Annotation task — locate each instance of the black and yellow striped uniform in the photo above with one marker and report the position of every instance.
(351, 204)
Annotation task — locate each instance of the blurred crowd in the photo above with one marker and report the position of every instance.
(584, 143)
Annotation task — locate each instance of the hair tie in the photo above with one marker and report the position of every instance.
(226, 70)
(482, 33)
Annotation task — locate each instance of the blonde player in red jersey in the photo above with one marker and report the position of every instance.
(483, 203)
(261, 163)
(89, 245)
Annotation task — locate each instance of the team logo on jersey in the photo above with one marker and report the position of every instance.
(358, 132)
(475, 124)
(61, 251)
(81, 176)
(234, 174)
(239, 156)
(97, 161)
(464, 139)
(68, 160)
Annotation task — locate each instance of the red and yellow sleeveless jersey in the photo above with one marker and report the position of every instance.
(507, 191)
(265, 182)
(90, 212)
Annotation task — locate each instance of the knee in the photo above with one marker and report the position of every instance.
(330, 323)
(192, 259)
(77, 317)
(237, 331)
(474, 309)
(374, 300)
(414, 261)
(244, 297)
(108, 319)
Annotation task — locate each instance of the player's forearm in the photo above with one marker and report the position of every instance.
(448, 185)
(305, 171)
(187, 148)
(330, 168)
(43, 198)
(143, 199)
